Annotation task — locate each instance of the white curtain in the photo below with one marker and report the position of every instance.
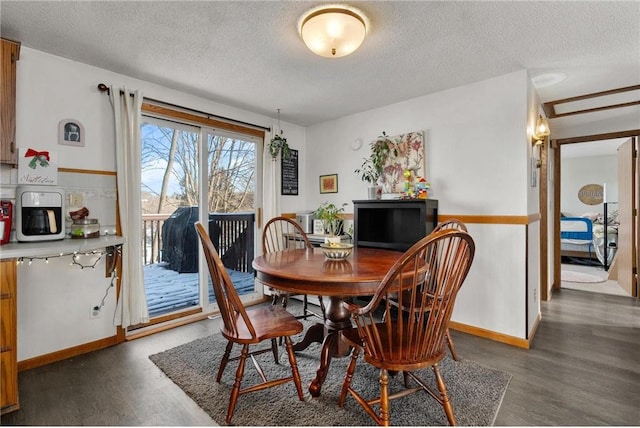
(271, 170)
(132, 307)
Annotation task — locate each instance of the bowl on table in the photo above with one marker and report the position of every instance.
(336, 251)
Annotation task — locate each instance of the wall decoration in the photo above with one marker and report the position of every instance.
(410, 155)
(71, 133)
(591, 194)
(329, 183)
(37, 167)
(289, 173)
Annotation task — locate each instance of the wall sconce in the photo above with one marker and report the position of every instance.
(333, 31)
(541, 132)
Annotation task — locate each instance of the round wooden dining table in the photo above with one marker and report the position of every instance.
(308, 271)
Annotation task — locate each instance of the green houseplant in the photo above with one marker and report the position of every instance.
(373, 166)
(331, 217)
(278, 146)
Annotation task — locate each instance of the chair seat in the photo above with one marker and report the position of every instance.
(402, 346)
(269, 322)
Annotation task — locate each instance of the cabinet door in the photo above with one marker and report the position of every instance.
(10, 55)
(8, 342)
(8, 382)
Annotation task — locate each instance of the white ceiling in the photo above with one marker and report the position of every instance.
(592, 148)
(248, 54)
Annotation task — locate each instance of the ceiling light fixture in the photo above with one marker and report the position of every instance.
(333, 30)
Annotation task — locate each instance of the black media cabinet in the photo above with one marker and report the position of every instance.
(394, 224)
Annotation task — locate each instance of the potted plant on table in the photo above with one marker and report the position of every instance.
(332, 221)
(373, 166)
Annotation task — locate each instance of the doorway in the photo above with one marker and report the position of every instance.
(589, 216)
(555, 173)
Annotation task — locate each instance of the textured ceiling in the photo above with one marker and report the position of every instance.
(248, 54)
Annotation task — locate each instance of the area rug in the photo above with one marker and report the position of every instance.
(476, 391)
(572, 276)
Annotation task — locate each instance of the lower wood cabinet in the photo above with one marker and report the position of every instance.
(8, 337)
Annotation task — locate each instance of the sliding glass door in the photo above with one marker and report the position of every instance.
(232, 197)
(180, 187)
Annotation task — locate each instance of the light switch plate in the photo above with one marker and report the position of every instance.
(75, 199)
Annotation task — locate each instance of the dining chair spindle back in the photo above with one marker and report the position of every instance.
(279, 234)
(248, 327)
(445, 225)
(426, 280)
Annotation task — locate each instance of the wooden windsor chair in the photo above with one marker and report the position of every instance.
(283, 233)
(429, 275)
(445, 225)
(248, 327)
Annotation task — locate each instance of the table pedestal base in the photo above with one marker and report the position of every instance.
(337, 318)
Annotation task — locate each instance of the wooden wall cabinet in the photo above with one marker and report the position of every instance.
(8, 337)
(10, 56)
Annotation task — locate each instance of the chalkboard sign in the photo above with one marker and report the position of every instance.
(290, 174)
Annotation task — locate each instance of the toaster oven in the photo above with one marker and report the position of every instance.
(305, 220)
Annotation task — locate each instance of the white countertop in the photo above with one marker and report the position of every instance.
(14, 250)
(314, 238)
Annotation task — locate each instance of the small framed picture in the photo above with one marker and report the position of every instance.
(318, 227)
(71, 133)
(329, 183)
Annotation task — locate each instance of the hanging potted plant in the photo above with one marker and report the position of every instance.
(278, 145)
(373, 166)
(332, 221)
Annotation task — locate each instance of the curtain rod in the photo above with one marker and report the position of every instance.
(104, 88)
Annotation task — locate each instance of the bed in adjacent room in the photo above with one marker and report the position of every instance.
(583, 237)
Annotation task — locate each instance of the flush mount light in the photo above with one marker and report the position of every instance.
(548, 79)
(333, 31)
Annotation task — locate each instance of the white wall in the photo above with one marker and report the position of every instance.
(54, 302)
(580, 171)
(477, 156)
(477, 130)
(54, 299)
(477, 152)
(532, 257)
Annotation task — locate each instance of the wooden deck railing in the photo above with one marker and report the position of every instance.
(235, 242)
(152, 237)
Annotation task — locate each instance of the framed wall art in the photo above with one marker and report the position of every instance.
(411, 155)
(71, 133)
(289, 174)
(329, 183)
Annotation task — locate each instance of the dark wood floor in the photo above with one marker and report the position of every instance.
(583, 369)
